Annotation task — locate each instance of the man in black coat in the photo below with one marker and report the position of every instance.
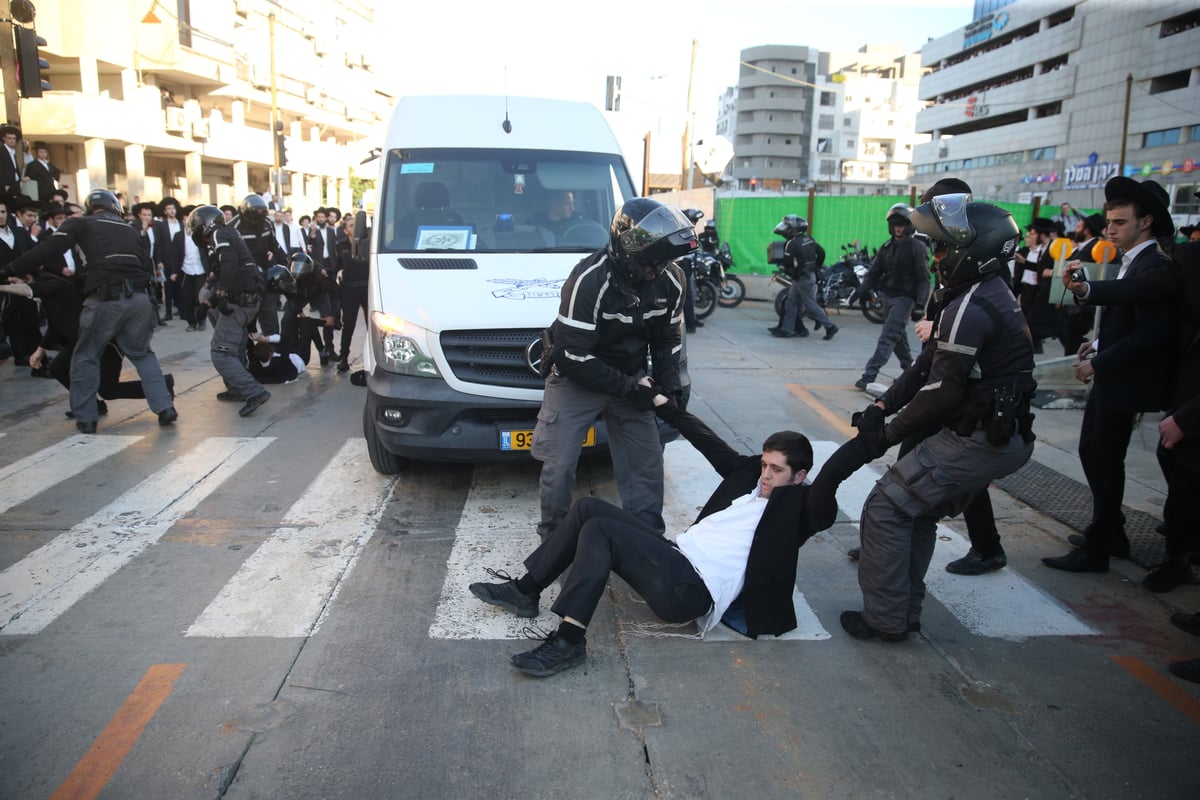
(42, 172)
(742, 547)
(168, 251)
(1127, 365)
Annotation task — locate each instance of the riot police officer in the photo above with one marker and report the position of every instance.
(802, 258)
(116, 307)
(975, 385)
(620, 308)
(253, 224)
(236, 298)
(710, 242)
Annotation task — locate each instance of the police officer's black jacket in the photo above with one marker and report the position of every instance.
(802, 255)
(982, 344)
(260, 240)
(900, 269)
(605, 325)
(233, 263)
(113, 252)
(709, 241)
(793, 514)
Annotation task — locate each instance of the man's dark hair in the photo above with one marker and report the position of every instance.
(796, 448)
(1139, 210)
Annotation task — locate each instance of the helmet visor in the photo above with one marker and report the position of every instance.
(664, 223)
(950, 213)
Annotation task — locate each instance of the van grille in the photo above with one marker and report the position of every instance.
(438, 263)
(492, 357)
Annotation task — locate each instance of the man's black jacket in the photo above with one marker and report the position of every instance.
(793, 514)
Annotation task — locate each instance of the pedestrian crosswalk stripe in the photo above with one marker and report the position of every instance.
(30, 476)
(286, 586)
(1000, 604)
(497, 529)
(43, 585)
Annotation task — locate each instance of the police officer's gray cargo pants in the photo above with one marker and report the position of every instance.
(567, 411)
(893, 337)
(128, 323)
(229, 350)
(802, 300)
(900, 516)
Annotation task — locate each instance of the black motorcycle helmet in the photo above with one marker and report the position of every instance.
(280, 280)
(978, 238)
(203, 221)
(300, 264)
(791, 225)
(253, 209)
(899, 214)
(709, 225)
(102, 200)
(645, 233)
(694, 214)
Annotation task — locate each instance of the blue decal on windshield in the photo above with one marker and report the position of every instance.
(418, 168)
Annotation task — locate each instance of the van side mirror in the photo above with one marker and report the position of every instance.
(361, 231)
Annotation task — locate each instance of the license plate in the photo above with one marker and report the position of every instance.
(523, 439)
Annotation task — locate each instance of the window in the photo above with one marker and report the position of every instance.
(1160, 138)
(787, 141)
(1169, 83)
(828, 98)
(1185, 200)
(1041, 154)
(848, 122)
(1184, 22)
(824, 145)
(825, 122)
(793, 70)
(1194, 133)
(849, 144)
(1048, 110)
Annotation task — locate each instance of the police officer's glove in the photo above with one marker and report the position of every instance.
(225, 307)
(642, 397)
(917, 314)
(870, 419)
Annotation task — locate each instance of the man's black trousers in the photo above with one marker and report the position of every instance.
(601, 538)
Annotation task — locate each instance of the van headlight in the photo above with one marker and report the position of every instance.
(396, 349)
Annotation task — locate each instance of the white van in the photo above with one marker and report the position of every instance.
(466, 268)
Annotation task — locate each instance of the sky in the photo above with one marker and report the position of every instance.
(566, 49)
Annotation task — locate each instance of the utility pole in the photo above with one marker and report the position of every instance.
(276, 122)
(685, 175)
(8, 66)
(1125, 121)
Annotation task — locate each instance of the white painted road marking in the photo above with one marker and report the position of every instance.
(1001, 604)
(34, 474)
(47, 582)
(286, 586)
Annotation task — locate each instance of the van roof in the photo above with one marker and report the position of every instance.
(475, 121)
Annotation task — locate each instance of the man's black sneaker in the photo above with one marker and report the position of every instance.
(862, 383)
(830, 332)
(854, 553)
(780, 333)
(555, 654)
(974, 564)
(324, 356)
(167, 416)
(86, 427)
(506, 595)
(253, 403)
(231, 396)
(854, 624)
(343, 366)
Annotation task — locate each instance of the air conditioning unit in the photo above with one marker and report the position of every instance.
(260, 77)
(176, 120)
(200, 130)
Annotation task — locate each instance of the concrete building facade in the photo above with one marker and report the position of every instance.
(1030, 99)
(176, 98)
(841, 123)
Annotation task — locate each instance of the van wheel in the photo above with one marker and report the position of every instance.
(383, 460)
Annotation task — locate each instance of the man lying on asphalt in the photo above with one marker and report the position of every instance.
(743, 546)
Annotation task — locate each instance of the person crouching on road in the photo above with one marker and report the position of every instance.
(738, 549)
(237, 296)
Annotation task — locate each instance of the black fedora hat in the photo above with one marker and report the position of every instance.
(1149, 195)
(1042, 225)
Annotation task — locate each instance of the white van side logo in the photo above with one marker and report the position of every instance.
(536, 289)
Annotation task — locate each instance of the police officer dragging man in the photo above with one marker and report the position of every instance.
(117, 307)
(236, 299)
(979, 379)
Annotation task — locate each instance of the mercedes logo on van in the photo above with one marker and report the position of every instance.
(533, 356)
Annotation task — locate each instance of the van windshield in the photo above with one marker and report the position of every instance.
(499, 201)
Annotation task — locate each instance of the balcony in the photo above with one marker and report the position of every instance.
(1040, 89)
(1005, 139)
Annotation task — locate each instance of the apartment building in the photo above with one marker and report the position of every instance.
(178, 98)
(1053, 98)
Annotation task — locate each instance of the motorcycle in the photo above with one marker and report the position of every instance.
(731, 290)
(835, 286)
(709, 275)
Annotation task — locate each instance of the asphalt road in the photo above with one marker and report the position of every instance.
(242, 608)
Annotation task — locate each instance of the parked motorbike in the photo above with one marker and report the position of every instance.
(709, 275)
(731, 290)
(835, 285)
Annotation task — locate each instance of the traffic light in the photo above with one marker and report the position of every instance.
(754, 184)
(281, 149)
(30, 63)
